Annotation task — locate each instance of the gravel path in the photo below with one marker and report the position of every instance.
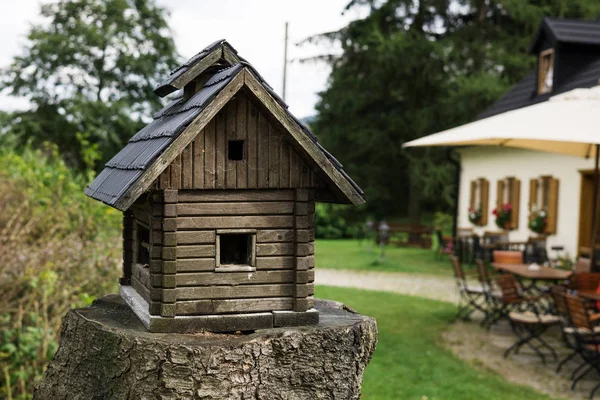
(428, 286)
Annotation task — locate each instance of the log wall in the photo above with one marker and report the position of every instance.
(186, 277)
(269, 161)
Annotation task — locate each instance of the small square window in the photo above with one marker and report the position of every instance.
(143, 245)
(235, 150)
(235, 250)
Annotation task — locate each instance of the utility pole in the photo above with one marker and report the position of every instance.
(285, 61)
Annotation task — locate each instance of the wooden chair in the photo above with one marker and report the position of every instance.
(508, 257)
(526, 318)
(491, 293)
(471, 298)
(583, 265)
(585, 281)
(511, 298)
(562, 311)
(587, 339)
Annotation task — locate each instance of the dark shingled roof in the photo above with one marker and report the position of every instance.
(125, 168)
(524, 93)
(568, 31)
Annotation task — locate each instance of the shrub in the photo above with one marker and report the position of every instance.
(58, 250)
(443, 222)
(331, 222)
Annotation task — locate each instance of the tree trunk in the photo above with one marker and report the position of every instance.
(106, 353)
(414, 209)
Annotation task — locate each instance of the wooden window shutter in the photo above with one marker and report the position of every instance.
(484, 195)
(552, 206)
(514, 199)
(472, 194)
(500, 194)
(533, 196)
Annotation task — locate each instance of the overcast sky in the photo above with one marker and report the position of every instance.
(254, 27)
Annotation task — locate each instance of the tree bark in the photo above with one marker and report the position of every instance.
(106, 353)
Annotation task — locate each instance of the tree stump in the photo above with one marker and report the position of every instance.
(106, 353)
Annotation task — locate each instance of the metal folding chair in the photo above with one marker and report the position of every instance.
(493, 297)
(587, 338)
(560, 306)
(471, 298)
(525, 317)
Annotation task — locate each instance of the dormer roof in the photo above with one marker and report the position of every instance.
(584, 71)
(561, 30)
(131, 172)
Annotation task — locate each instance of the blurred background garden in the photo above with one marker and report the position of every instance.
(404, 69)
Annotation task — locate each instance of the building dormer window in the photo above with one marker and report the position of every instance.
(546, 71)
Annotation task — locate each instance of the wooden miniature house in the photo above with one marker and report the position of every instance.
(218, 195)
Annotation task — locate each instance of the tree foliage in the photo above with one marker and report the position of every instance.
(411, 68)
(89, 71)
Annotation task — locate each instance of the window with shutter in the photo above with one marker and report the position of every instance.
(543, 204)
(508, 195)
(478, 201)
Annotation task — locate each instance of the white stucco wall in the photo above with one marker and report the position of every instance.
(494, 163)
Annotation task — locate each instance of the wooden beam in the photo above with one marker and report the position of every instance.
(242, 208)
(214, 196)
(234, 292)
(266, 221)
(234, 278)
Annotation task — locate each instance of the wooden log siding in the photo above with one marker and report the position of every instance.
(189, 228)
(269, 161)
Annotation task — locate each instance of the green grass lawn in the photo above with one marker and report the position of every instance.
(409, 362)
(354, 255)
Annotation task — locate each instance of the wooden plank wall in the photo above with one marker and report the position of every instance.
(304, 248)
(269, 161)
(190, 225)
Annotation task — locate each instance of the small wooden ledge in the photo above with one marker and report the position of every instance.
(214, 323)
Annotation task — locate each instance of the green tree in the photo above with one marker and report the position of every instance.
(89, 71)
(411, 68)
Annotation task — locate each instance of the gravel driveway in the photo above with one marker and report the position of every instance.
(428, 286)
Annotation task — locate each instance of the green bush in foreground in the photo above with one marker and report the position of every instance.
(58, 249)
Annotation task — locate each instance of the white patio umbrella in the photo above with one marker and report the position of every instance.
(569, 123)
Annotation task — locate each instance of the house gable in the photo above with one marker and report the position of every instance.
(269, 158)
(139, 166)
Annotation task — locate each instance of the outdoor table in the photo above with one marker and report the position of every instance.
(534, 276)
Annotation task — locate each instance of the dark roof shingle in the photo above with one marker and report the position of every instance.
(123, 170)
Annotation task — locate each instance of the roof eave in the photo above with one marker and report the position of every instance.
(347, 192)
(544, 28)
(223, 51)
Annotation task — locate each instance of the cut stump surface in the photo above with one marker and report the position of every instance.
(106, 353)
